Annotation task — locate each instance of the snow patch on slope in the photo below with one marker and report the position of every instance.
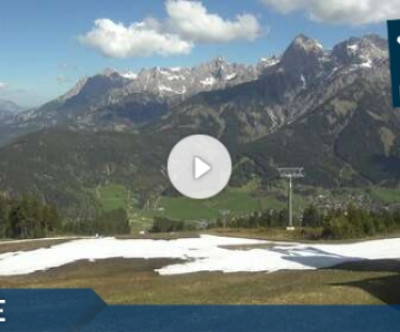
(129, 75)
(20, 263)
(230, 76)
(207, 253)
(209, 81)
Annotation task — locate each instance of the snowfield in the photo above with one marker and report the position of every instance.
(207, 253)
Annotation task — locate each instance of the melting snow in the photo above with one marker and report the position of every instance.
(171, 76)
(129, 75)
(273, 118)
(175, 77)
(208, 81)
(334, 70)
(163, 88)
(303, 81)
(353, 47)
(269, 62)
(200, 254)
(367, 64)
(230, 76)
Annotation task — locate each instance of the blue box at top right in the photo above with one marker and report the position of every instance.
(394, 49)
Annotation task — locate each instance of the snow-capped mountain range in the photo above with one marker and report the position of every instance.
(327, 110)
(173, 82)
(282, 88)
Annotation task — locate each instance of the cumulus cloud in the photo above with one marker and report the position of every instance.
(138, 39)
(353, 12)
(191, 20)
(187, 23)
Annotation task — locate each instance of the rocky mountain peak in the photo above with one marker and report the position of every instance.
(365, 51)
(304, 44)
(130, 97)
(75, 90)
(9, 106)
(8, 110)
(109, 72)
(303, 56)
(218, 61)
(129, 75)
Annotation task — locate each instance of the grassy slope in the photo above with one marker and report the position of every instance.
(386, 195)
(134, 282)
(237, 201)
(112, 197)
(11, 246)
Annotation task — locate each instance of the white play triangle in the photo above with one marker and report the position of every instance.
(200, 168)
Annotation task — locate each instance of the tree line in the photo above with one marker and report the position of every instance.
(165, 225)
(350, 223)
(27, 217)
(113, 222)
(356, 222)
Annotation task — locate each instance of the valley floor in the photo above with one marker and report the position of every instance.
(369, 273)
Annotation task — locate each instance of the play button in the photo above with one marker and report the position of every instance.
(199, 167)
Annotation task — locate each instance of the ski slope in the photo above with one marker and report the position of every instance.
(203, 254)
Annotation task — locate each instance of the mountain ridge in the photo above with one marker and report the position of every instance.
(115, 100)
(326, 110)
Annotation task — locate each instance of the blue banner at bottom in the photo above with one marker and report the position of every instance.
(82, 310)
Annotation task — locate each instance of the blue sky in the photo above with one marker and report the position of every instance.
(46, 47)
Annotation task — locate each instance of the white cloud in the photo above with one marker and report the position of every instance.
(352, 12)
(187, 23)
(138, 39)
(3, 86)
(191, 20)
